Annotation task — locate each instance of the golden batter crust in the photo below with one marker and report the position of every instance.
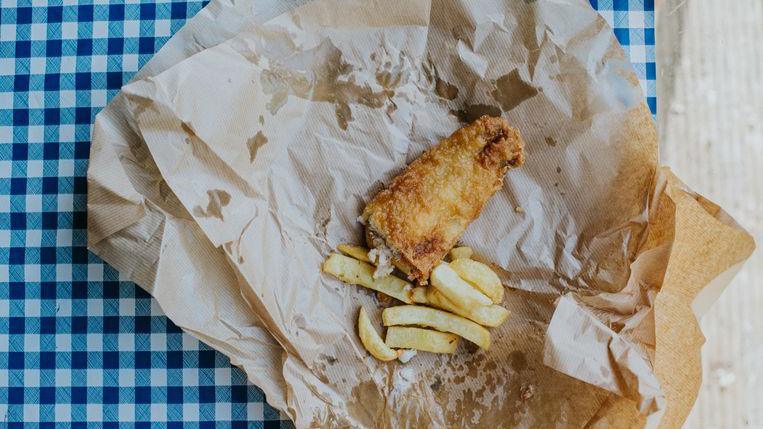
(423, 213)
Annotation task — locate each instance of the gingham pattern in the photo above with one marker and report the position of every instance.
(78, 346)
(633, 23)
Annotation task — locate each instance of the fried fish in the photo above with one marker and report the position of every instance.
(416, 220)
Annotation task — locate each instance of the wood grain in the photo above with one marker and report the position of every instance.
(711, 128)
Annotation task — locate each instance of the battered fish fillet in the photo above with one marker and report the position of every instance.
(423, 213)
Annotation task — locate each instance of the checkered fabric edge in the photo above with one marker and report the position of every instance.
(80, 347)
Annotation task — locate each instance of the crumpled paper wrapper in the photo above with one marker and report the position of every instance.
(241, 155)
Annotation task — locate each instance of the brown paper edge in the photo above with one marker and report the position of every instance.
(708, 248)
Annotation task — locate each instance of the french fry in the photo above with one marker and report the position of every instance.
(460, 253)
(437, 319)
(358, 252)
(425, 340)
(480, 276)
(352, 271)
(371, 339)
(486, 315)
(419, 295)
(447, 281)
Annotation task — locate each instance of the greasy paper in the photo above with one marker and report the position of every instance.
(231, 169)
(137, 225)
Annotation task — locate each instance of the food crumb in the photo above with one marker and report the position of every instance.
(382, 258)
(406, 355)
(724, 377)
(519, 209)
(526, 391)
(437, 384)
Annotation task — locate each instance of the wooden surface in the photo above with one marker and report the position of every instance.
(711, 129)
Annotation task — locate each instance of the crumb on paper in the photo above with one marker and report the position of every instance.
(519, 209)
(526, 391)
(406, 355)
(437, 384)
(724, 377)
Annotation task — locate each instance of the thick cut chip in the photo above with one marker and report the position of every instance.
(357, 252)
(456, 289)
(486, 315)
(480, 276)
(371, 339)
(425, 340)
(419, 295)
(460, 253)
(437, 319)
(352, 271)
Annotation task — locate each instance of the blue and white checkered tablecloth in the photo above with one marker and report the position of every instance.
(78, 346)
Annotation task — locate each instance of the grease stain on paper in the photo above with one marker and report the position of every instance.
(473, 112)
(334, 83)
(279, 83)
(460, 33)
(217, 200)
(518, 361)
(445, 89)
(511, 90)
(164, 189)
(365, 403)
(186, 127)
(436, 384)
(192, 139)
(141, 104)
(442, 88)
(255, 143)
